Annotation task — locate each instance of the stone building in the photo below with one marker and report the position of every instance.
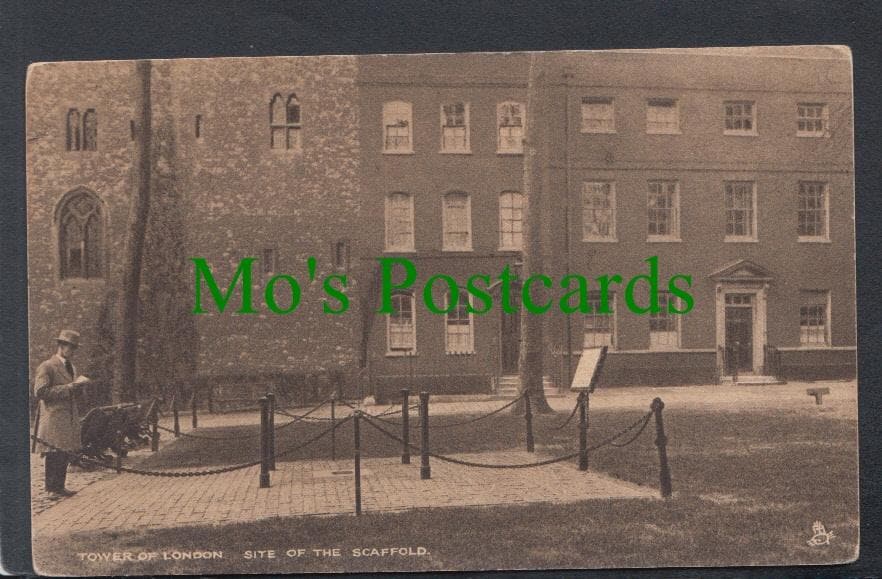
(251, 157)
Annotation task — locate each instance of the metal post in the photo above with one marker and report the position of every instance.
(405, 426)
(661, 442)
(355, 423)
(583, 431)
(333, 430)
(177, 418)
(425, 469)
(264, 443)
(118, 463)
(528, 415)
(272, 430)
(154, 425)
(193, 409)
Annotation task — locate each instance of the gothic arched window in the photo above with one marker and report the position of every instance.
(285, 122)
(81, 236)
(73, 130)
(90, 130)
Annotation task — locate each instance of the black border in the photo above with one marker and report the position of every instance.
(125, 29)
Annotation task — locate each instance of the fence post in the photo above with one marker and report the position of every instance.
(175, 413)
(356, 427)
(528, 416)
(193, 409)
(154, 428)
(425, 469)
(333, 425)
(661, 442)
(583, 431)
(264, 443)
(272, 429)
(405, 426)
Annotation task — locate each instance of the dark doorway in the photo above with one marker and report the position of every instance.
(739, 333)
(511, 342)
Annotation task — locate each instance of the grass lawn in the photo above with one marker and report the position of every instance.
(748, 487)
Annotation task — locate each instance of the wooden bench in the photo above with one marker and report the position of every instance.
(818, 393)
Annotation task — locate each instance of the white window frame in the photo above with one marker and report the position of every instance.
(656, 127)
(503, 219)
(611, 196)
(466, 146)
(389, 246)
(397, 111)
(753, 235)
(824, 117)
(469, 335)
(753, 131)
(674, 235)
(598, 115)
(393, 351)
(660, 341)
(825, 211)
(518, 147)
(594, 297)
(445, 241)
(803, 302)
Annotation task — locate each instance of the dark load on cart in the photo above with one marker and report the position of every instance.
(117, 428)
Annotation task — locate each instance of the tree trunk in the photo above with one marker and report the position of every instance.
(126, 342)
(530, 360)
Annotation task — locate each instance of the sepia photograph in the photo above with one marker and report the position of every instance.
(443, 312)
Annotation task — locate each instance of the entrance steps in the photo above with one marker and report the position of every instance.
(750, 380)
(508, 386)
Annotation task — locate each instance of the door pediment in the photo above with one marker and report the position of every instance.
(742, 271)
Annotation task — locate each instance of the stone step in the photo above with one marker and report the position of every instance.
(753, 380)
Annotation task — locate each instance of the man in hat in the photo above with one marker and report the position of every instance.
(56, 387)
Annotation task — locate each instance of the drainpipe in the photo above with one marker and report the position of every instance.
(567, 75)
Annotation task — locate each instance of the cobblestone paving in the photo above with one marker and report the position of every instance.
(323, 487)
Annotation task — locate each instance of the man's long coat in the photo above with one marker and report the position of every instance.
(59, 415)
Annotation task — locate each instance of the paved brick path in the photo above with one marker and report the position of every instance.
(312, 488)
(107, 500)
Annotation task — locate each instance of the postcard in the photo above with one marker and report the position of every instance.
(425, 312)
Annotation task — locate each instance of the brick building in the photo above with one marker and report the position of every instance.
(732, 166)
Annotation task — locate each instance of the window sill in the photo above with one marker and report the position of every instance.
(511, 249)
(677, 132)
(821, 240)
(457, 249)
(464, 152)
(86, 281)
(740, 240)
(408, 152)
(291, 151)
(663, 240)
(803, 347)
(601, 240)
(509, 153)
(464, 353)
(394, 354)
(394, 250)
(600, 132)
(740, 134)
(813, 135)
